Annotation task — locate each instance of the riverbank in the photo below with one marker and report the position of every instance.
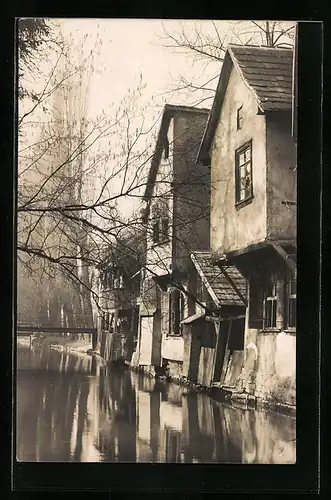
(218, 392)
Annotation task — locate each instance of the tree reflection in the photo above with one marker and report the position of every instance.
(65, 412)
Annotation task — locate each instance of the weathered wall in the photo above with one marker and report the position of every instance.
(269, 370)
(233, 228)
(191, 190)
(281, 177)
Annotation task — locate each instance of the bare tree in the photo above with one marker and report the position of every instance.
(62, 218)
(205, 42)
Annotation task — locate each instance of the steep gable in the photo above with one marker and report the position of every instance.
(266, 72)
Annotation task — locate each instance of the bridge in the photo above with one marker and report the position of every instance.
(28, 330)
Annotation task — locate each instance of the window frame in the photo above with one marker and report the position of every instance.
(242, 149)
(288, 297)
(281, 297)
(271, 279)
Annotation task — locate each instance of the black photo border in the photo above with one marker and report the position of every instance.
(185, 479)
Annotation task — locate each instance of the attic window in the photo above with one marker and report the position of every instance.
(239, 118)
(244, 181)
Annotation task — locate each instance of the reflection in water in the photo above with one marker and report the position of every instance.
(69, 408)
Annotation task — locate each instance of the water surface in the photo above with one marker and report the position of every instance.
(71, 409)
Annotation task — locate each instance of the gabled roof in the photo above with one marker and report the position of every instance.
(225, 284)
(267, 73)
(169, 112)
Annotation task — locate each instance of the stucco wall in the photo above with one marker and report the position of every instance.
(281, 177)
(191, 229)
(269, 370)
(233, 228)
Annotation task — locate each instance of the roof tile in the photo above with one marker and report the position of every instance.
(268, 71)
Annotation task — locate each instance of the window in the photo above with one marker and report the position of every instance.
(161, 230)
(291, 303)
(239, 118)
(244, 181)
(270, 303)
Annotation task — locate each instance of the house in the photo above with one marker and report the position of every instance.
(176, 217)
(248, 143)
(119, 292)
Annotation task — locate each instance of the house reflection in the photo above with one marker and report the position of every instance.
(125, 417)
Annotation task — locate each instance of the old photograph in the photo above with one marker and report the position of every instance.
(156, 241)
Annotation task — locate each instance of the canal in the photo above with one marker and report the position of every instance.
(70, 408)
